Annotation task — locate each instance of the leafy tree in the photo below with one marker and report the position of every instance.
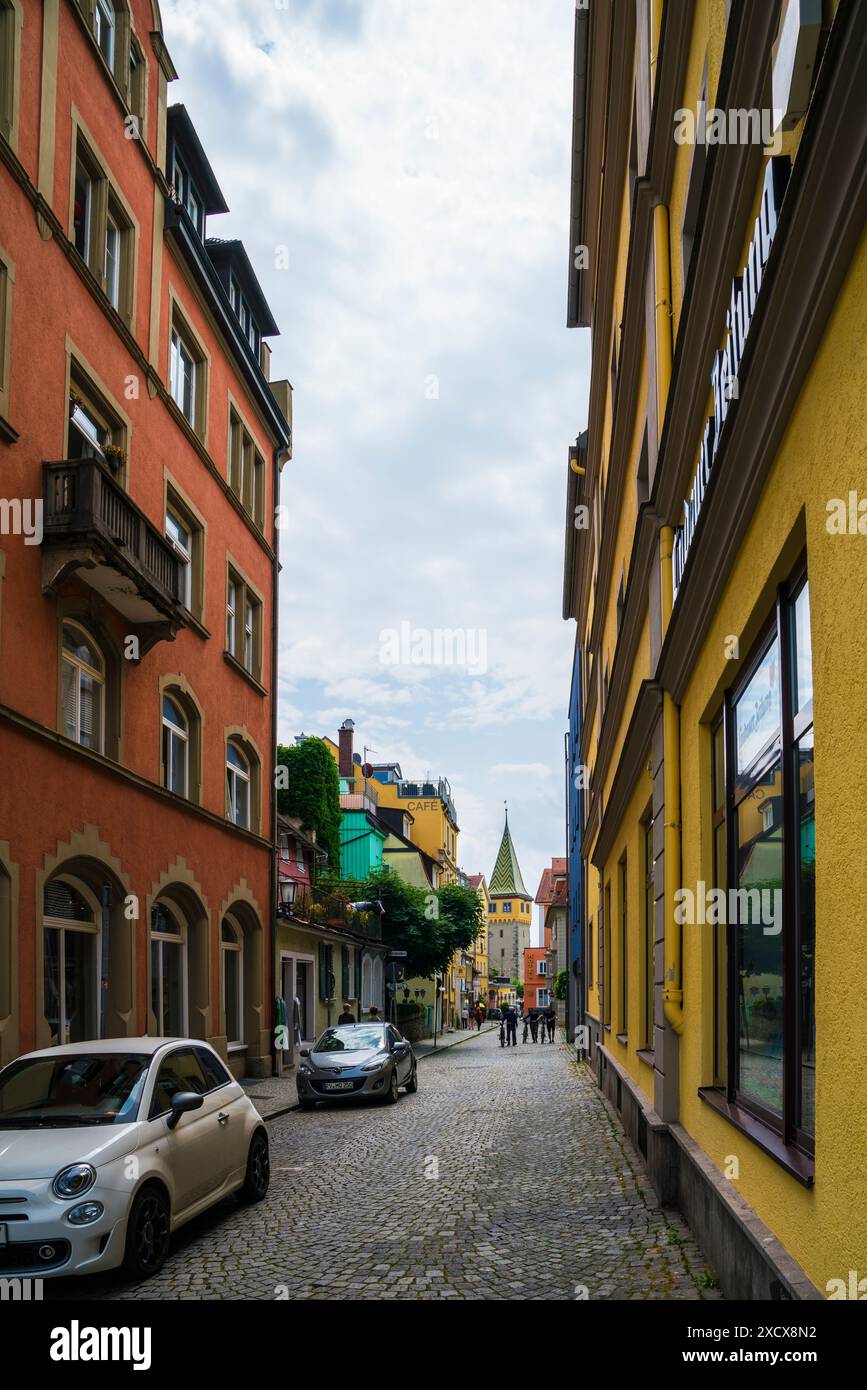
(430, 926)
(517, 986)
(309, 789)
(560, 981)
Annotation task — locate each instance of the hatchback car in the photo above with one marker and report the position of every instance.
(366, 1060)
(107, 1147)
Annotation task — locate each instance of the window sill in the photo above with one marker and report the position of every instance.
(197, 625)
(647, 1056)
(798, 1164)
(623, 1039)
(234, 1048)
(242, 671)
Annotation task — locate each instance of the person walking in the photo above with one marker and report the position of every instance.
(542, 1029)
(534, 1026)
(526, 1027)
(347, 1016)
(552, 1022)
(511, 1027)
(502, 1032)
(479, 1016)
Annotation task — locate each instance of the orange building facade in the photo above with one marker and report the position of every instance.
(140, 448)
(537, 983)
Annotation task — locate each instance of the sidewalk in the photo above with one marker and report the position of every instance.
(276, 1095)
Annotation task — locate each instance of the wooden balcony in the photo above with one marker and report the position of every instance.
(94, 531)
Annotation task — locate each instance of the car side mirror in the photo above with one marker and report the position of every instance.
(305, 1052)
(181, 1103)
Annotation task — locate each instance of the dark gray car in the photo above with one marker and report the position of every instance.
(356, 1059)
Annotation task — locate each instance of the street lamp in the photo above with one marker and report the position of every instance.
(287, 888)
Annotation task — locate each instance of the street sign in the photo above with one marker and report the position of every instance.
(398, 954)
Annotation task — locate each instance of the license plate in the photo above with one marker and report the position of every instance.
(338, 1085)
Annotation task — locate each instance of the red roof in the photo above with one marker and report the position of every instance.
(552, 884)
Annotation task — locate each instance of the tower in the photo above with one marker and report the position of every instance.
(510, 913)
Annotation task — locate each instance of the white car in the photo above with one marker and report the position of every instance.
(107, 1147)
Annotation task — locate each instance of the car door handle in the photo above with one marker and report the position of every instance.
(223, 1117)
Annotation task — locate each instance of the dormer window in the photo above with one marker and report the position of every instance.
(187, 195)
(244, 316)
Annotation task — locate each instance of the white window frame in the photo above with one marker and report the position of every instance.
(179, 941)
(62, 925)
(234, 775)
(82, 667)
(176, 734)
(235, 949)
(180, 354)
(184, 553)
(104, 14)
(112, 261)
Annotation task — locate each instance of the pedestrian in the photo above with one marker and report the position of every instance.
(534, 1026)
(465, 1017)
(552, 1021)
(511, 1027)
(347, 1016)
(526, 1027)
(542, 1029)
(373, 1014)
(479, 1017)
(502, 1033)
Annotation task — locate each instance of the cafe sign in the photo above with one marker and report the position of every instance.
(727, 360)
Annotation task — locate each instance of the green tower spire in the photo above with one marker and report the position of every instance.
(506, 880)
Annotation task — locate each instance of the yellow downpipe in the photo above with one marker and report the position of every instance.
(672, 987)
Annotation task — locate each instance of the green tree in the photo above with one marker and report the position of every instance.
(430, 926)
(560, 980)
(309, 789)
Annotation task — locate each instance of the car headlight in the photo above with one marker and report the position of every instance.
(84, 1214)
(74, 1181)
(378, 1063)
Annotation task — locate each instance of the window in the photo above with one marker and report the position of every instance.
(232, 977)
(649, 964)
(507, 907)
(186, 194)
(243, 625)
(183, 377)
(181, 1071)
(246, 470)
(6, 282)
(624, 949)
(605, 969)
(237, 786)
(176, 748)
(589, 953)
(10, 38)
(168, 971)
(82, 686)
(102, 230)
(104, 28)
(137, 81)
(766, 832)
(94, 430)
(70, 980)
(181, 537)
(245, 316)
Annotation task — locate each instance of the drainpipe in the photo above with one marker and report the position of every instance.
(672, 987)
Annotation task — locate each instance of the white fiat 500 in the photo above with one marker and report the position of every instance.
(107, 1147)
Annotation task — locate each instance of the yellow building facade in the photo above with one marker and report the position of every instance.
(716, 568)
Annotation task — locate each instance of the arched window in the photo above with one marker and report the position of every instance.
(70, 973)
(176, 747)
(232, 979)
(237, 786)
(82, 688)
(169, 971)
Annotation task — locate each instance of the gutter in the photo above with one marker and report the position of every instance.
(672, 985)
(574, 318)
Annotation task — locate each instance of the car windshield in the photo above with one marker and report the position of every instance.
(83, 1088)
(359, 1039)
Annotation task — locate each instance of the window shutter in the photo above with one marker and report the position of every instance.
(358, 975)
(330, 981)
(344, 982)
(323, 970)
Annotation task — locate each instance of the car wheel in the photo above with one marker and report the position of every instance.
(258, 1176)
(392, 1095)
(412, 1084)
(148, 1234)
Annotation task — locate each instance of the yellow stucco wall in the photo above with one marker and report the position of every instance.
(823, 455)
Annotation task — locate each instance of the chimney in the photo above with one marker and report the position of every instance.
(344, 734)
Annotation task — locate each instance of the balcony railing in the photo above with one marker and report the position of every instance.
(358, 801)
(329, 910)
(86, 510)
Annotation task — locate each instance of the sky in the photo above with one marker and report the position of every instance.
(399, 172)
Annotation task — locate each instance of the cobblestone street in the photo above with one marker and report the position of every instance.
(534, 1195)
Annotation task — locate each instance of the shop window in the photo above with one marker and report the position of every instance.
(769, 845)
(70, 965)
(168, 938)
(649, 965)
(243, 625)
(232, 980)
(624, 949)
